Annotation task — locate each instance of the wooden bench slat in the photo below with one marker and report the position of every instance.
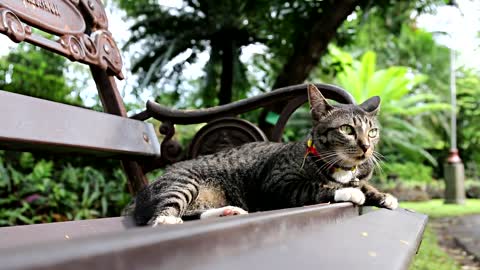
(317, 237)
(382, 239)
(29, 123)
(44, 233)
(25, 235)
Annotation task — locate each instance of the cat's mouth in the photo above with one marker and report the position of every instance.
(356, 160)
(361, 157)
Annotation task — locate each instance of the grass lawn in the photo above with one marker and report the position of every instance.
(430, 255)
(437, 209)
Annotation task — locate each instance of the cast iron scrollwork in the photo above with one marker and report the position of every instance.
(222, 129)
(13, 27)
(98, 48)
(75, 47)
(108, 53)
(57, 17)
(171, 150)
(224, 133)
(90, 47)
(97, 13)
(186, 117)
(65, 19)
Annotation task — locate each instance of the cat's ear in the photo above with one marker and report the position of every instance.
(318, 104)
(371, 105)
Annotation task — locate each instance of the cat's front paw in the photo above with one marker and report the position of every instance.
(389, 202)
(161, 220)
(354, 195)
(223, 212)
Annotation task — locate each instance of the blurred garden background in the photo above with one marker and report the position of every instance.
(201, 53)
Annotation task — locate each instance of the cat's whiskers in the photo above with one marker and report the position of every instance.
(377, 162)
(326, 162)
(332, 163)
(324, 166)
(378, 154)
(326, 152)
(329, 163)
(325, 156)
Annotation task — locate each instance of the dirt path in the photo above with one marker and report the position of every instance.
(453, 234)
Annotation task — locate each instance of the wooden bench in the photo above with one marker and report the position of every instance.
(321, 236)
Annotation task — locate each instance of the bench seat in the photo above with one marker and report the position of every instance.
(314, 237)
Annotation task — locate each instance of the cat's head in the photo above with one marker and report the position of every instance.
(344, 134)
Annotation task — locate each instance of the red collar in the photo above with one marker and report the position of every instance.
(311, 149)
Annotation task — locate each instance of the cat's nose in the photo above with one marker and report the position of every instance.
(364, 147)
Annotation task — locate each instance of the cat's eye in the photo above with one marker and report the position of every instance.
(347, 129)
(372, 133)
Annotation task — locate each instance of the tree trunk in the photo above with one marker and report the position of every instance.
(226, 79)
(307, 52)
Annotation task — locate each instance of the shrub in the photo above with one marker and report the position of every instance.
(407, 181)
(472, 188)
(41, 190)
(406, 172)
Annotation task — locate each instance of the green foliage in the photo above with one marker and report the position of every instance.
(35, 72)
(408, 46)
(174, 37)
(403, 106)
(177, 36)
(299, 124)
(404, 44)
(38, 190)
(468, 89)
(407, 172)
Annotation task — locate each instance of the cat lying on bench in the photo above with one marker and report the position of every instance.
(333, 165)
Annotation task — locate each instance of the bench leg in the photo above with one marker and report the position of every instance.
(112, 103)
(136, 178)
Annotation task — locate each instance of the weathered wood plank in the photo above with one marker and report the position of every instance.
(29, 123)
(27, 235)
(317, 237)
(74, 230)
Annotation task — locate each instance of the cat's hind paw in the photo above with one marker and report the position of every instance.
(223, 212)
(354, 195)
(161, 220)
(389, 202)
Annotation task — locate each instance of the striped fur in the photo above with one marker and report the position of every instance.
(266, 175)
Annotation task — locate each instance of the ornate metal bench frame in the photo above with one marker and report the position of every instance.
(306, 237)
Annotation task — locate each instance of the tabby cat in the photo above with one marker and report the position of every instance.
(333, 165)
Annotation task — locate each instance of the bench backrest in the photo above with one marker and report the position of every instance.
(78, 30)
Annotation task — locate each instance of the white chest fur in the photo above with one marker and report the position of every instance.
(344, 176)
